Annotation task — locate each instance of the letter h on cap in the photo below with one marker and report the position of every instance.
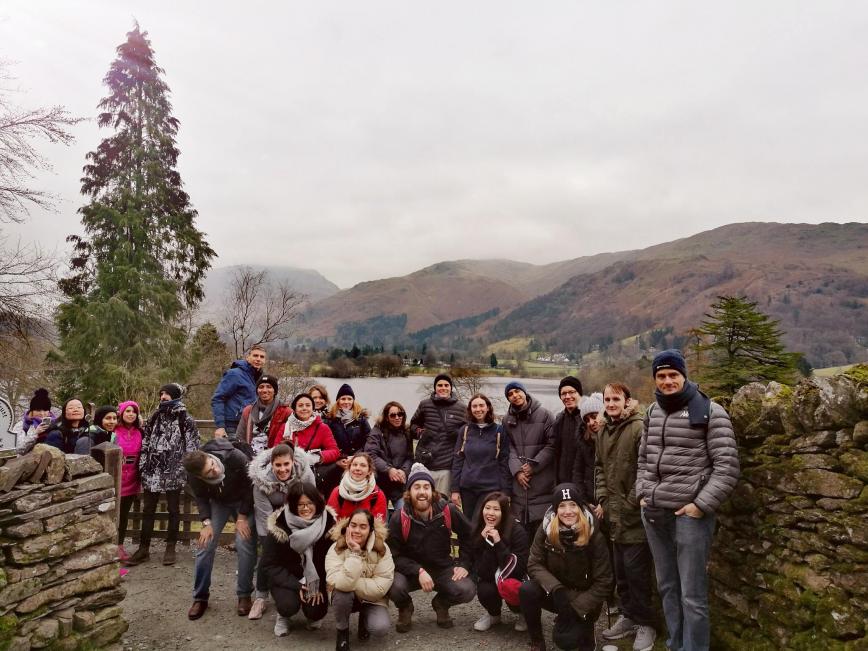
(565, 492)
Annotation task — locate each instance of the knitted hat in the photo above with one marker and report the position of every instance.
(101, 413)
(443, 376)
(514, 385)
(345, 390)
(671, 358)
(128, 403)
(592, 404)
(173, 389)
(268, 379)
(418, 472)
(570, 381)
(40, 400)
(565, 493)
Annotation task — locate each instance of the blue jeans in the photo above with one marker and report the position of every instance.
(245, 549)
(680, 546)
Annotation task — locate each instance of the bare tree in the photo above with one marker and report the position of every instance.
(467, 381)
(28, 287)
(258, 310)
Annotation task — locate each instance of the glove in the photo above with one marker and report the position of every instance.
(561, 602)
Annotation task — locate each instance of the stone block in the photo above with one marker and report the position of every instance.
(98, 579)
(16, 574)
(814, 442)
(19, 644)
(83, 620)
(94, 483)
(24, 530)
(860, 433)
(62, 542)
(830, 504)
(45, 633)
(31, 502)
(91, 557)
(17, 469)
(81, 501)
(59, 521)
(104, 598)
(838, 618)
(64, 621)
(822, 461)
(106, 632)
(856, 464)
(20, 491)
(821, 482)
(57, 465)
(15, 592)
(78, 465)
(107, 613)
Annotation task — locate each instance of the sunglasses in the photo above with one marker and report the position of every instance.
(396, 414)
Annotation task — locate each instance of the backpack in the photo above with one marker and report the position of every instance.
(464, 442)
(406, 521)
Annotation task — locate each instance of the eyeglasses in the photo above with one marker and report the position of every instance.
(569, 392)
(396, 414)
(305, 506)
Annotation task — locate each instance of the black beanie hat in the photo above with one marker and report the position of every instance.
(671, 358)
(565, 493)
(570, 381)
(40, 400)
(443, 376)
(267, 379)
(345, 390)
(173, 389)
(102, 412)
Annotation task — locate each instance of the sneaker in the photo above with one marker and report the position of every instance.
(486, 622)
(622, 628)
(645, 637)
(123, 572)
(520, 624)
(257, 608)
(281, 626)
(313, 625)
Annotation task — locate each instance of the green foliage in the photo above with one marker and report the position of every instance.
(492, 361)
(141, 260)
(739, 344)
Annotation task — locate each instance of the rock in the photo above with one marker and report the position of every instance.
(107, 613)
(15, 592)
(90, 557)
(44, 634)
(20, 491)
(78, 465)
(93, 483)
(19, 644)
(100, 578)
(14, 470)
(755, 411)
(829, 504)
(25, 530)
(106, 632)
(837, 618)
(860, 433)
(59, 521)
(81, 501)
(31, 502)
(829, 402)
(814, 442)
(820, 482)
(15, 574)
(106, 507)
(62, 542)
(57, 465)
(104, 598)
(822, 461)
(64, 621)
(83, 620)
(856, 464)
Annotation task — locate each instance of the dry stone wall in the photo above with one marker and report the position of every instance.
(790, 563)
(59, 576)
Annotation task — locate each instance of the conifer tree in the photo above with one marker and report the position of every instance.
(739, 344)
(141, 260)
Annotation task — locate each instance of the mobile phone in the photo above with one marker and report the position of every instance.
(489, 541)
(46, 420)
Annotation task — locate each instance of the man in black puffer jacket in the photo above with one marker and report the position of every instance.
(688, 465)
(436, 424)
(217, 475)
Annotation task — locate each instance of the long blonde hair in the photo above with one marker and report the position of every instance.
(582, 529)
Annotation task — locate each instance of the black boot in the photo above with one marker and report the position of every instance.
(364, 634)
(342, 642)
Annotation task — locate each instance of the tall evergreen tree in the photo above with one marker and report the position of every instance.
(739, 344)
(141, 260)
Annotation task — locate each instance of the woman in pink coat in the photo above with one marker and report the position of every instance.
(128, 435)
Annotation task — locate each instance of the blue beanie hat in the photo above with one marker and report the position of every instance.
(418, 472)
(671, 358)
(514, 385)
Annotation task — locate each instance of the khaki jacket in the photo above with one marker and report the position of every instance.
(368, 574)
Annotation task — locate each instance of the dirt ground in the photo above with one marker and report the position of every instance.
(158, 598)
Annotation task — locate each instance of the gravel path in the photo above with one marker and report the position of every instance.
(158, 598)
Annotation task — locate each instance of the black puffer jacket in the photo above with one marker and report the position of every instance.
(429, 542)
(679, 463)
(283, 565)
(584, 571)
(427, 425)
(235, 487)
(531, 436)
(351, 436)
(390, 449)
(485, 560)
(575, 454)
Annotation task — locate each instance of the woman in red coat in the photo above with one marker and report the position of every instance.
(305, 431)
(358, 489)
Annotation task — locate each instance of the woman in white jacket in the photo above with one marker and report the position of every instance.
(359, 572)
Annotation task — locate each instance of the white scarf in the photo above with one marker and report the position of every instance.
(355, 491)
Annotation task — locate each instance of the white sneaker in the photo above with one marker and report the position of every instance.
(281, 626)
(486, 622)
(645, 636)
(622, 628)
(520, 624)
(257, 609)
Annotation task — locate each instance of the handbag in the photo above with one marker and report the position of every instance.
(507, 586)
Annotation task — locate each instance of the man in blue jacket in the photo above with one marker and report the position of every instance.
(236, 390)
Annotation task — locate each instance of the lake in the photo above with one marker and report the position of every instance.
(373, 393)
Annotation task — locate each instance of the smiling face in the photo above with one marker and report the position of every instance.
(318, 401)
(346, 402)
(256, 358)
(110, 421)
(359, 529)
(420, 496)
(395, 416)
(568, 513)
(479, 409)
(303, 408)
(669, 381)
(517, 397)
(282, 467)
(306, 508)
(74, 411)
(359, 468)
(570, 398)
(129, 416)
(443, 389)
(265, 392)
(615, 402)
(491, 513)
(593, 423)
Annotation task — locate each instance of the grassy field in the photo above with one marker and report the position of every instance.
(831, 370)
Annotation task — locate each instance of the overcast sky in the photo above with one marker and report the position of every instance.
(370, 139)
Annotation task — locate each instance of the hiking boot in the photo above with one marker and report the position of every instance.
(343, 640)
(442, 612)
(257, 609)
(197, 609)
(645, 636)
(486, 622)
(169, 554)
(537, 645)
(141, 555)
(520, 624)
(244, 605)
(405, 619)
(622, 628)
(281, 626)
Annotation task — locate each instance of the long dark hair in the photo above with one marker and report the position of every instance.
(504, 527)
(383, 420)
(368, 515)
(309, 491)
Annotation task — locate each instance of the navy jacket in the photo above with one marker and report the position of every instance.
(350, 437)
(478, 465)
(236, 390)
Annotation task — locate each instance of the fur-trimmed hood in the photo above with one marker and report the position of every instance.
(376, 542)
(278, 528)
(262, 476)
(631, 409)
(551, 514)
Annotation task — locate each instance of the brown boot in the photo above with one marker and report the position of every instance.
(141, 555)
(405, 619)
(197, 609)
(442, 612)
(244, 604)
(169, 554)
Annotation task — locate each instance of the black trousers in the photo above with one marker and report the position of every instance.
(288, 603)
(489, 597)
(633, 578)
(149, 507)
(126, 505)
(571, 631)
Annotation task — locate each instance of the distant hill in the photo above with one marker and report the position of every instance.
(814, 278)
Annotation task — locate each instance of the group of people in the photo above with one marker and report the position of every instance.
(564, 513)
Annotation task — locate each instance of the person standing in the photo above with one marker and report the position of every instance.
(436, 424)
(236, 390)
(305, 430)
(530, 428)
(348, 421)
(574, 445)
(481, 462)
(320, 396)
(128, 436)
(390, 445)
(615, 471)
(263, 421)
(688, 465)
(169, 434)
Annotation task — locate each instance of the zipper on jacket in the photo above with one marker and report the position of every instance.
(660, 456)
